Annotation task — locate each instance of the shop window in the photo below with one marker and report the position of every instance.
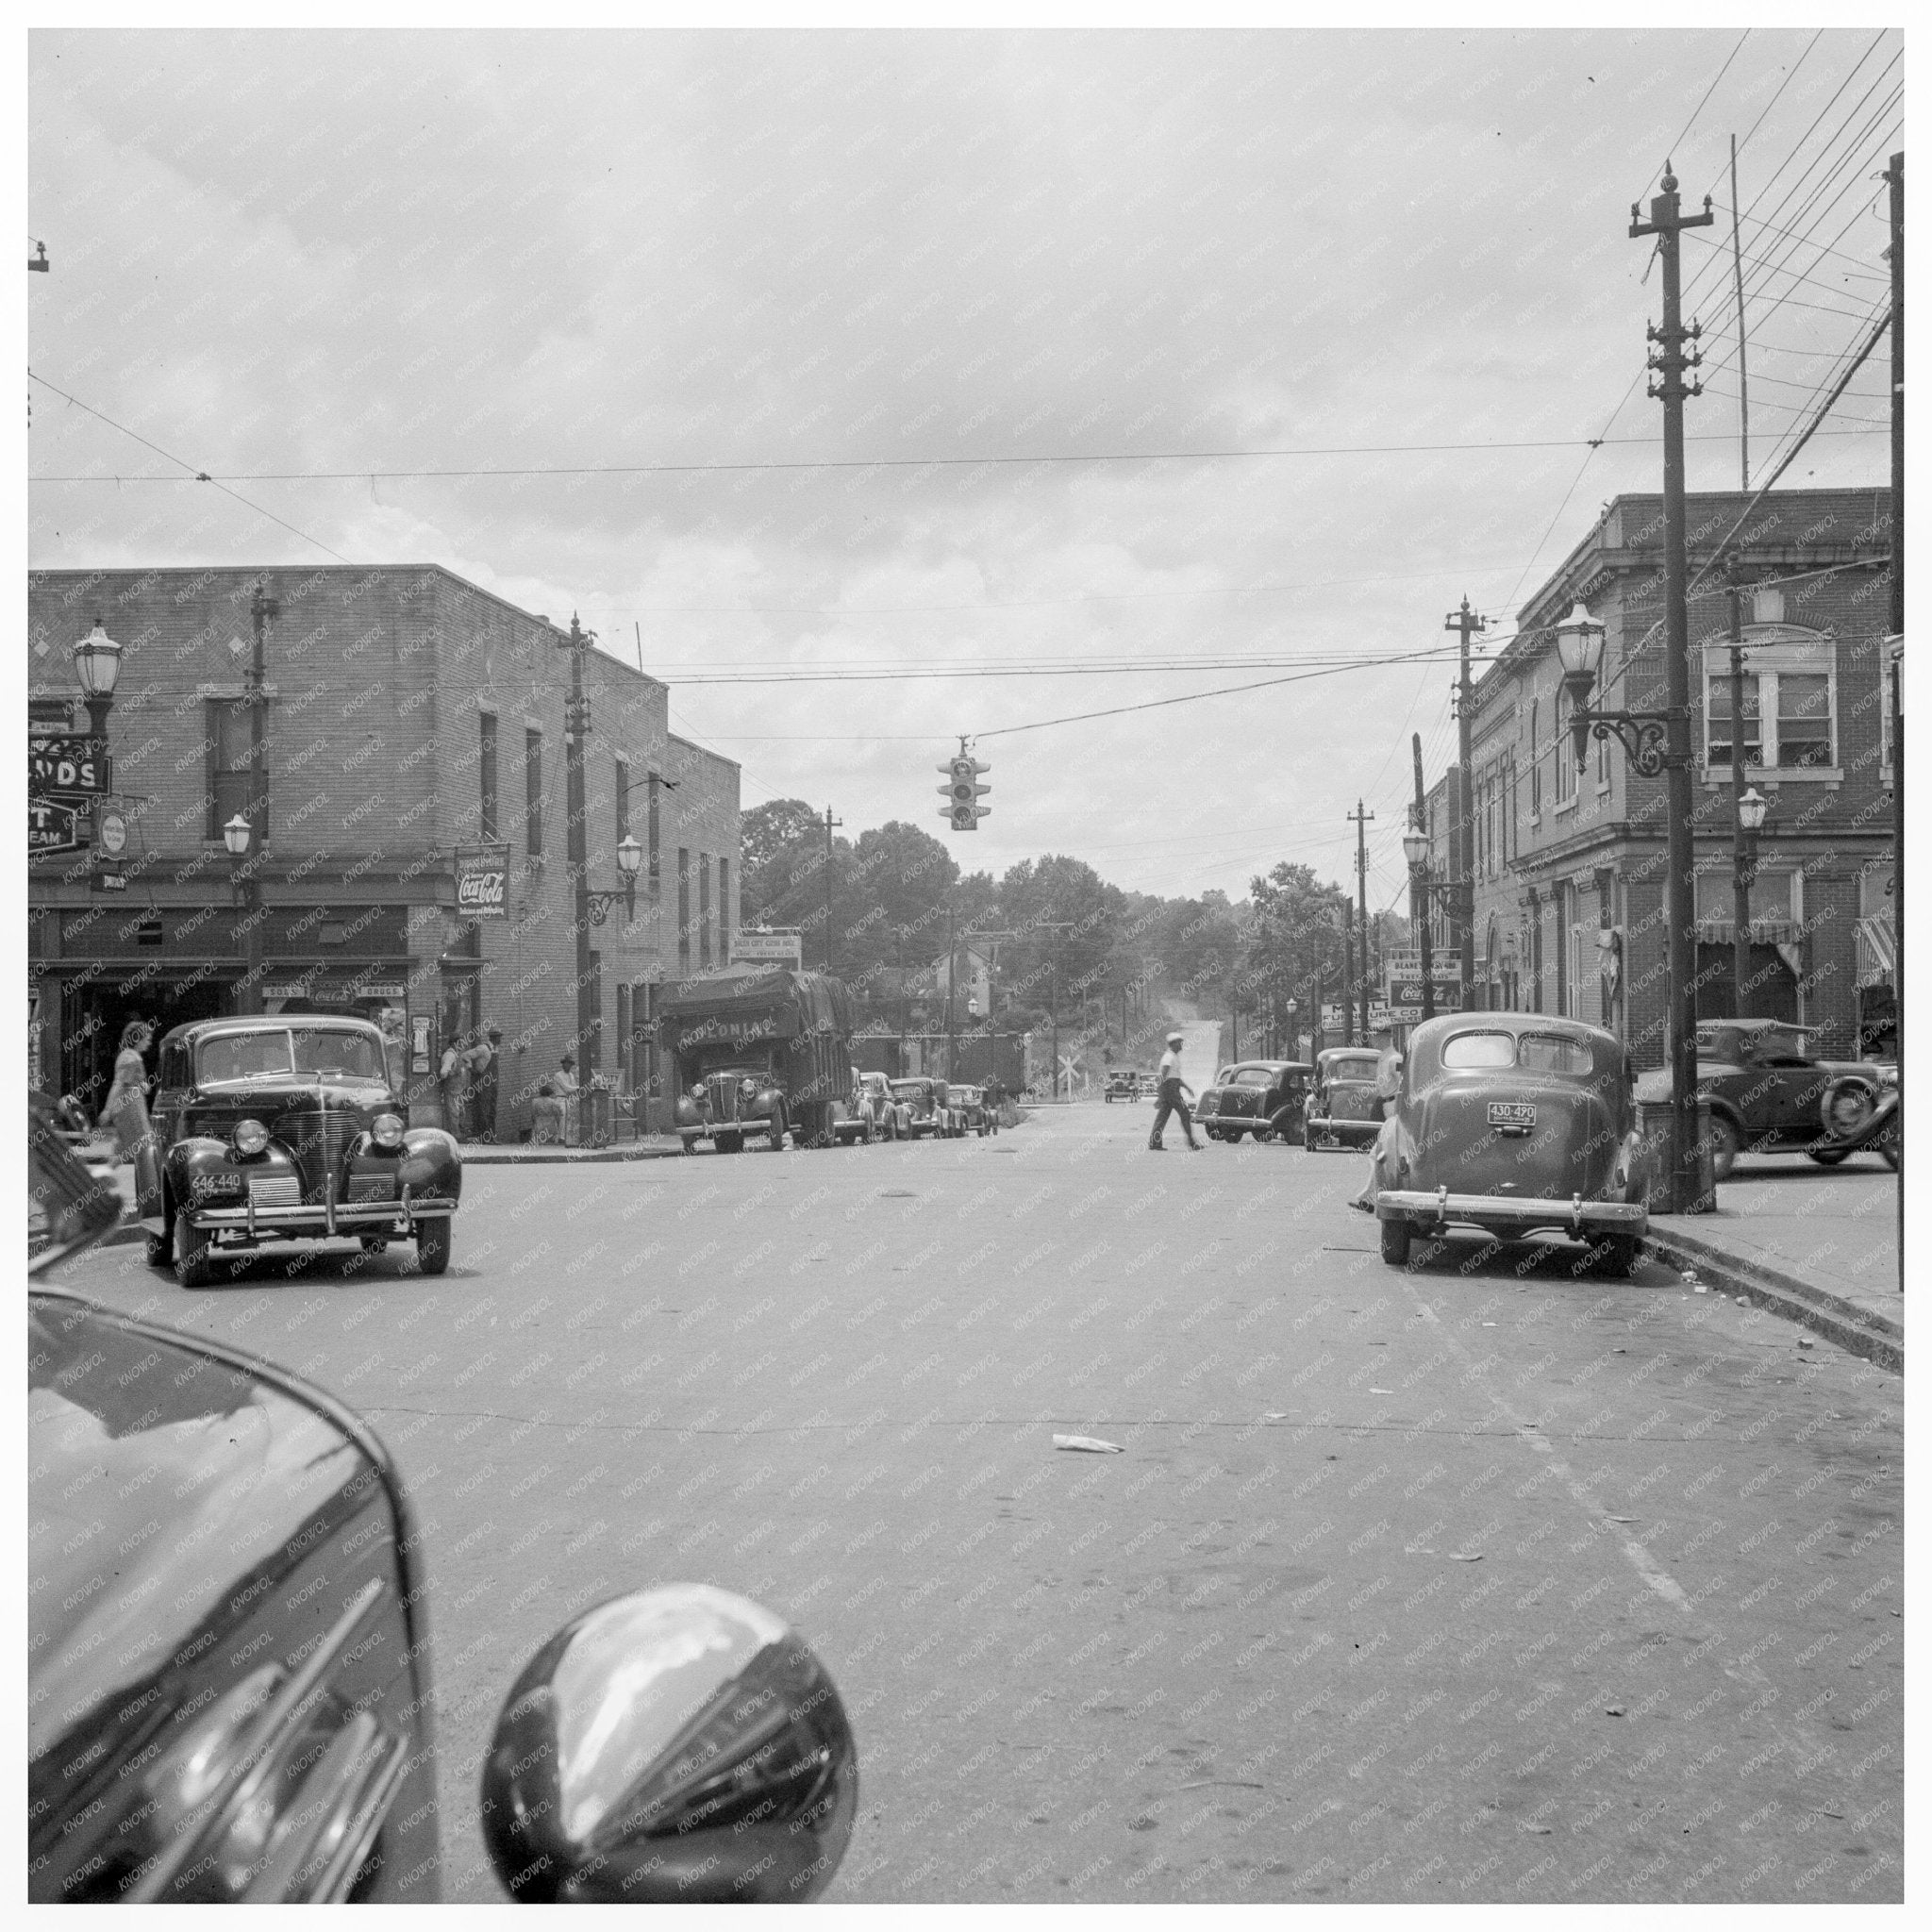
(486, 776)
(227, 740)
(533, 792)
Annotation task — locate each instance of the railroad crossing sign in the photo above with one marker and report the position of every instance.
(53, 826)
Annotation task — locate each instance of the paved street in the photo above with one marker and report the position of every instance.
(1480, 1582)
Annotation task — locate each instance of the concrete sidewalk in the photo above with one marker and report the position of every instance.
(1817, 1245)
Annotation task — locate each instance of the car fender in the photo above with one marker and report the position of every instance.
(432, 1163)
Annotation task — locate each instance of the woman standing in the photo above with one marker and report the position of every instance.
(126, 1111)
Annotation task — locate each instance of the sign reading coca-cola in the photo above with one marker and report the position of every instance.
(483, 881)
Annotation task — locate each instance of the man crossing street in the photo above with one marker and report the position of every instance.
(1172, 1089)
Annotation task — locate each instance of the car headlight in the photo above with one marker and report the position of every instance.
(386, 1130)
(250, 1137)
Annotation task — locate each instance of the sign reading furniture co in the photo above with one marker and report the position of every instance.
(483, 881)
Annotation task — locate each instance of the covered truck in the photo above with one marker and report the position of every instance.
(759, 1051)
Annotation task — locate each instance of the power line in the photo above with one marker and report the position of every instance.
(194, 474)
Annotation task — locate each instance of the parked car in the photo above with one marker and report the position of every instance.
(228, 1671)
(278, 1127)
(1344, 1107)
(928, 1110)
(1521, 1126)
(1265, 1098)
(1770, 1093)
(73, 1197)
(1124, 1084)
(969, 1108)
(890, 1116)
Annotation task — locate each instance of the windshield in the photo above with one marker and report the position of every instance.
(1354, 1066)
(281, 1053)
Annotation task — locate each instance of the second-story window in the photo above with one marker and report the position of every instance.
(652, 874)
(704, 909)
(620, 789)
(227, 744)
(1536, 770)
(533, 792)
(486, 776)
(1560, 752)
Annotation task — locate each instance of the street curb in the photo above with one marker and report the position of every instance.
(520, 1157)
(1859, 1331)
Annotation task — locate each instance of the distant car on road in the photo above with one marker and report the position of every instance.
(1344, 1110)
(274, 1127)
(1123, 1085)
(1770, 1093)
(1521, 1126)
(969, 1107)
(928, 1110)
(1265, 1098)
(891, 1117)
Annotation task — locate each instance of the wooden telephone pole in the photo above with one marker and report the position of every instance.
(1360, 820)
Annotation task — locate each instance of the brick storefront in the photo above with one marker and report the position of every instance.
(1569, 867)
(409, 713)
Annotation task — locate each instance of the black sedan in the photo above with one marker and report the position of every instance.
(1265, 1098)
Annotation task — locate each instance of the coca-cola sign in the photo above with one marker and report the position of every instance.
(483, 881)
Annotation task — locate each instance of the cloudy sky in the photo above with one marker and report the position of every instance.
(1110, 368)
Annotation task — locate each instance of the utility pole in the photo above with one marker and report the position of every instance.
(1680, 911)
(262, 609)
(1360, 820)
(1419, 896)
(1895, 178)
(576, 728)
(1465, 622)
(1055, 926)
(1348, 974)
(1740, 877)
(830, 822)
(1743, 385)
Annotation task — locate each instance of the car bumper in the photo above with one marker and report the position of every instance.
(1323, 1127)
(1503, 1213)
(340, 1217)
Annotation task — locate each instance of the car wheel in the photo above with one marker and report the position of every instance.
(1848, 1104)
(1724, 1146)
(193, 1266)
(1616, 1256)
(432, 1245)
(161, 1247)
(1395, 1235)
(1307, 1139)
(1888, 1144)
(775, 1141)
(866, 1133)
(1263, 1132)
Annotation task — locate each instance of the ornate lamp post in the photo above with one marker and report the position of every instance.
(235, 836)
(1750, 822)
(1580, 652)
(1415, 848)
(631, 858)
(98, 663)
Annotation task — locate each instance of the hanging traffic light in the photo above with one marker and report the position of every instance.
(960, 790)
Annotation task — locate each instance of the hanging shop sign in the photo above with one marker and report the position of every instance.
(483, 881)
(52, 827)
(760, 947)
(63, 763)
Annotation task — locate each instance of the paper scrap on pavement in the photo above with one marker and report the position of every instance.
(1381, 1392)
(1465, 1555)
(1092, 1443)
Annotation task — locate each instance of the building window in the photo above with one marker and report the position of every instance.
(1603, 763)
(683, 910)
(533, 794)
(704, 909)
(621, 792)
(624, 1033)
(1536, 770)
(486, 773)
(226, 740)
(1560, 752)
(1790, 706)
(724, 911)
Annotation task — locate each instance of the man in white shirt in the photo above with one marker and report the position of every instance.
(1172, 1088)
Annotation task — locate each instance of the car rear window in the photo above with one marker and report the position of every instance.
(1253, 1076)
(1539, 1053)
(1357, 1066)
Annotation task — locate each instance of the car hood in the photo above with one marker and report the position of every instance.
(161, 1481)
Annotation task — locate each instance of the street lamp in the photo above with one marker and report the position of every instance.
(1580, 652)
(1415, 848)
(1295, 1039)
(1750, 811)
(630, 858)
(98, 663)
(235, 836)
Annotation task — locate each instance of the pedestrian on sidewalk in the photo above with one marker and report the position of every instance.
(482, 1059)
(126, 1108)
(1172, 1090)
(449, 1079)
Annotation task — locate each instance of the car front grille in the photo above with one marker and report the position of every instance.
(722, 1092)
(319, 1142)
(275, 1191)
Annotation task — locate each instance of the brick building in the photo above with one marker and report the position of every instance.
(409, 715)
(1568, 866)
